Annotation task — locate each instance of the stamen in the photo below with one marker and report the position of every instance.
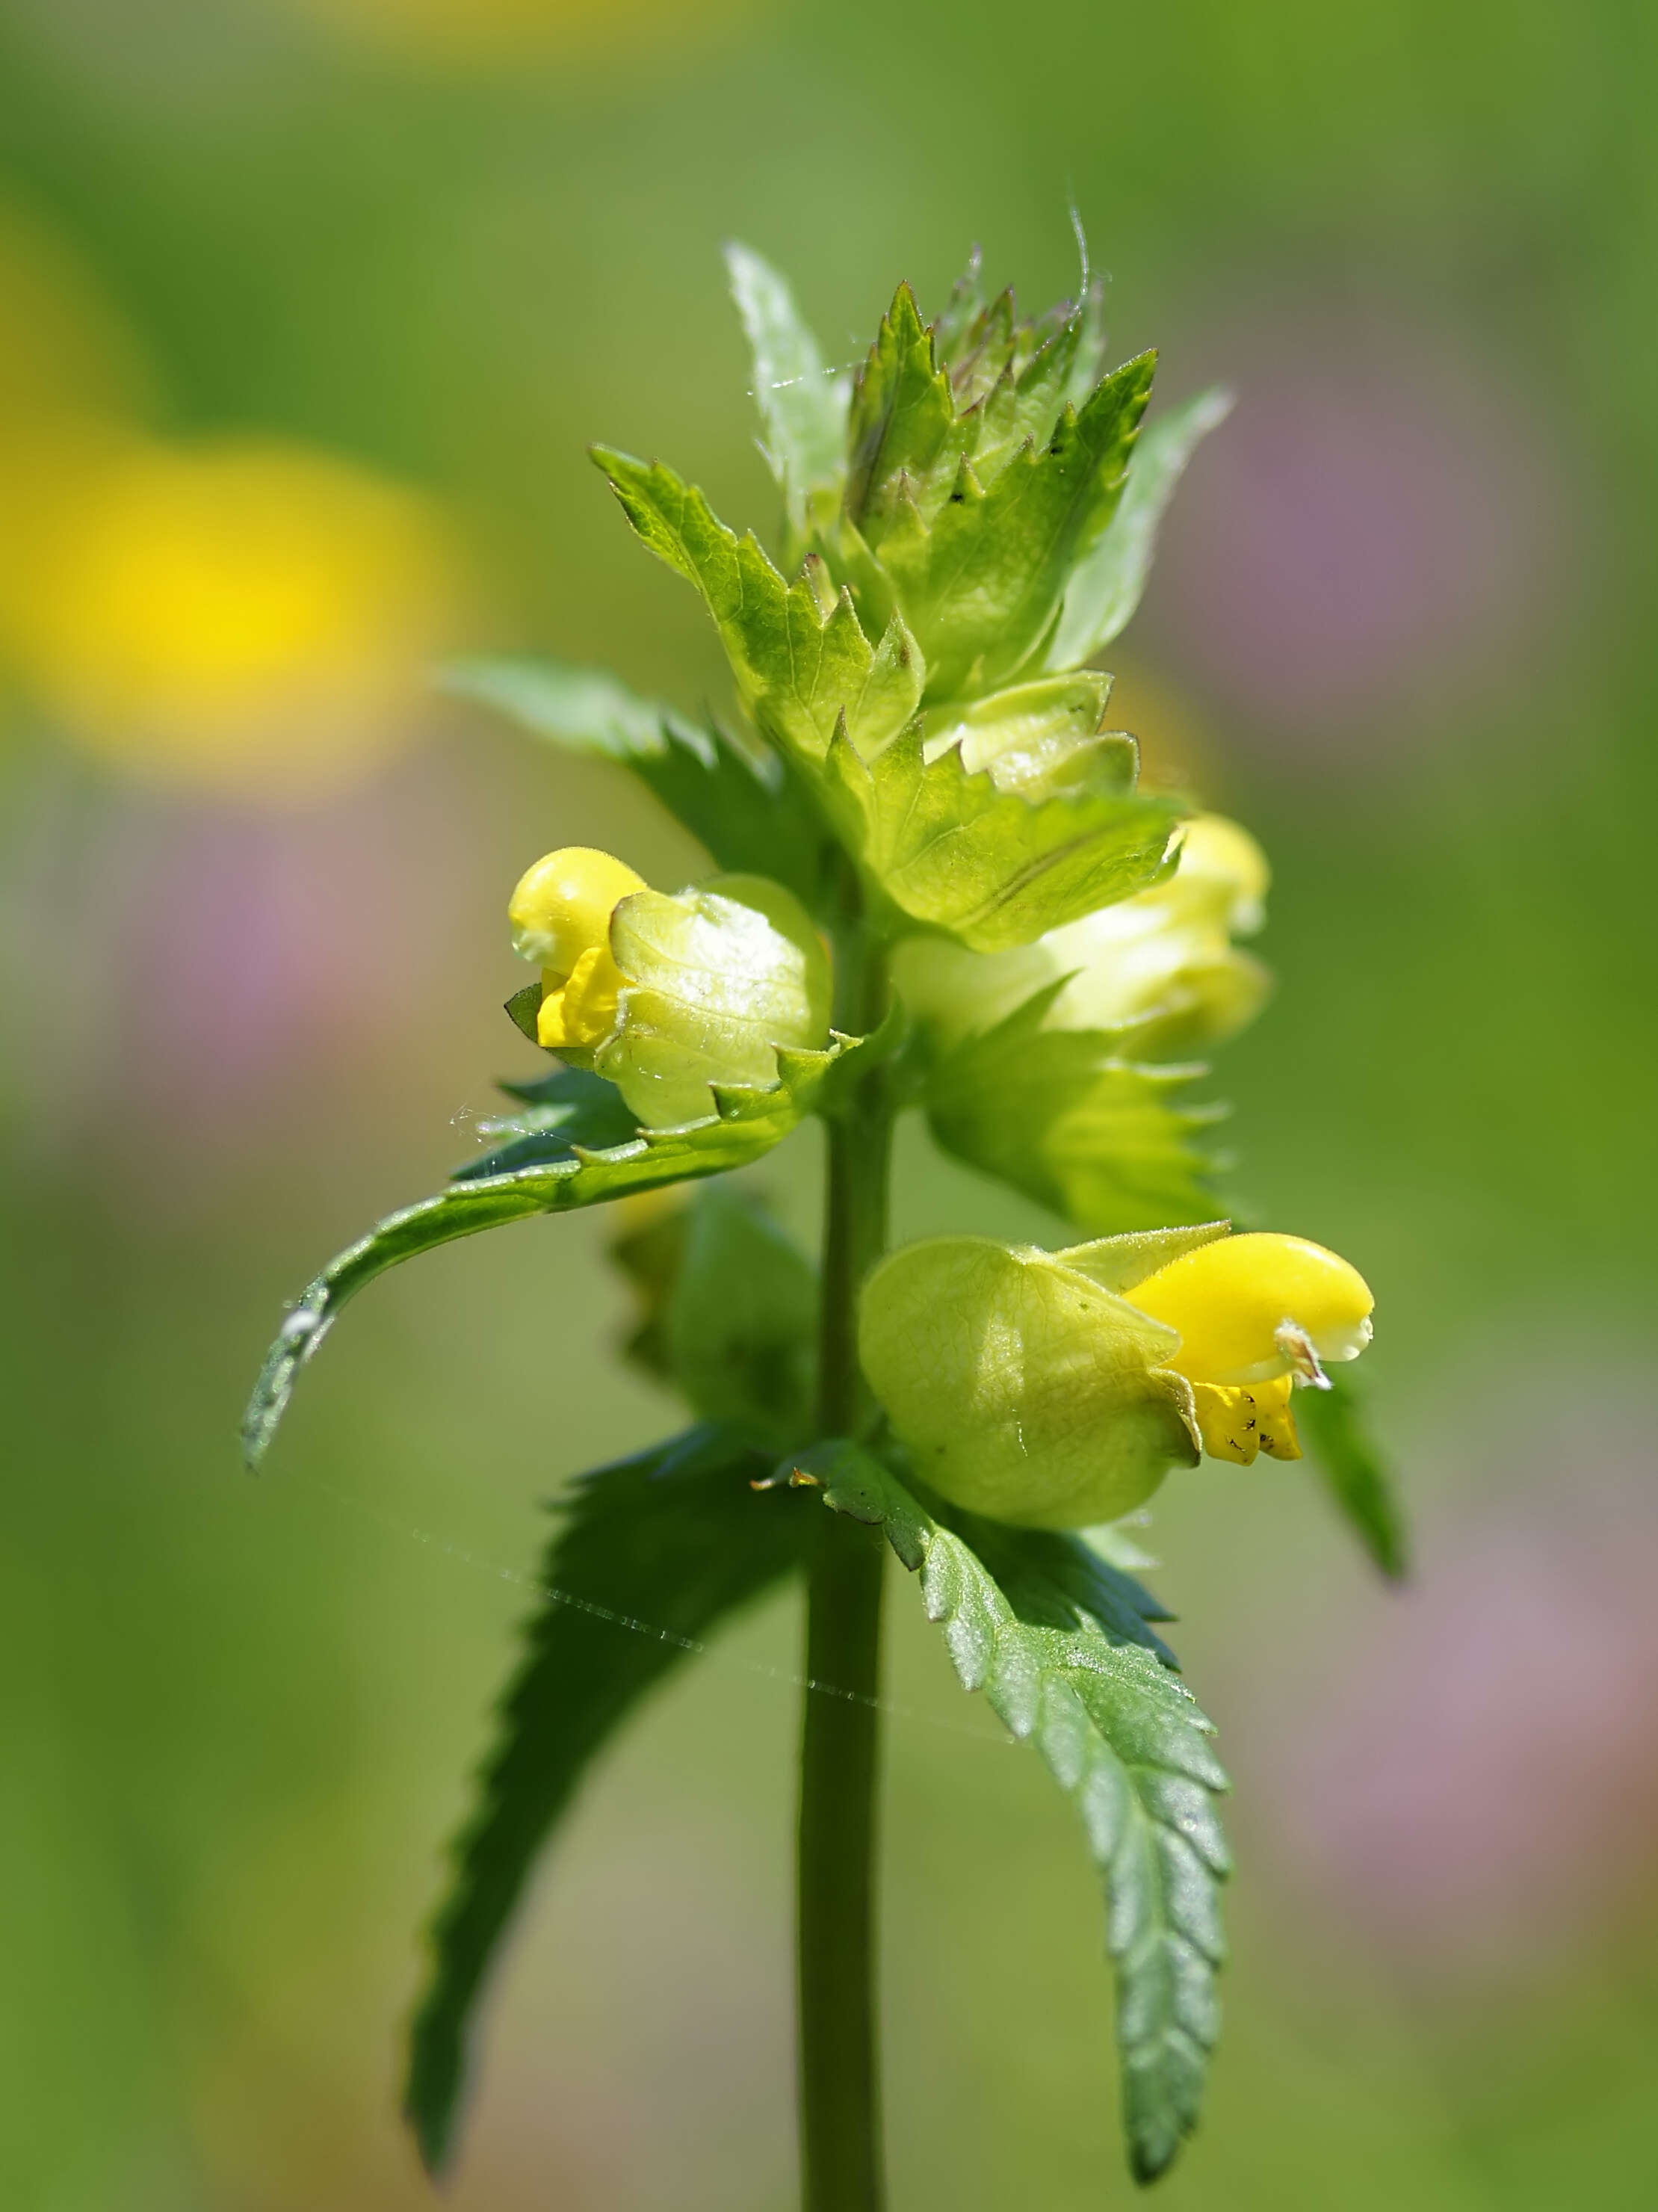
(1293, 1341)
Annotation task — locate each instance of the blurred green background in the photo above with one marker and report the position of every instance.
(306, 309)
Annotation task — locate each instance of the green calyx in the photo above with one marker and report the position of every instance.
(1025, 1385)
(715, 979)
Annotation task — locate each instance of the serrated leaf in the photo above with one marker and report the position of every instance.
(751, 813)
(1058, 1641)
(747, 1124)
(801, 665)
(570, 1110)
(980, 586)
(1332, 1422)
(802, 406)
(985, 351)
(905, 440)
(1024, 403)
(1062, 1117)
(994, 868)
(652, 1556)
(1106, 588)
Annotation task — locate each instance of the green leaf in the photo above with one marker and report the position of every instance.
(802, 406)
(569, 1108)
(1057, 1640)
(906, 440)
(583, 709)
(523, 1010)
(1061, 1116)
(746, 1124)
(652, 1555)
(1023, 404)
(997, 868)
(750, 812)
(1105, 590)
(1041, 738)
(728, 1311)
(801, 659)
(980, 585)
(1332, 1422)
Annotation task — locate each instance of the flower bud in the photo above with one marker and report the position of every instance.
(1162, 963)
(1056, 1388)
(668, 995)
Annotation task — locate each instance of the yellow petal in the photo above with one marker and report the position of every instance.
(563, 906)
(588, 1001)
(1231, 1299)
(1235, 1425)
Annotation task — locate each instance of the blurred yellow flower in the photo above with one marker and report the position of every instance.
(244, 613)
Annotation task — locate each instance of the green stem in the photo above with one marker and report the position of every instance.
(842, 2166)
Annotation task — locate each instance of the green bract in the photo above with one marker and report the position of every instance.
(907, 669)
(1026, 1389)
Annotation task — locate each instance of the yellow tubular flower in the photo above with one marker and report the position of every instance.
(1254, 1313)
(560, 916)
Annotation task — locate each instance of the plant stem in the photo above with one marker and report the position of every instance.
(842, 2166)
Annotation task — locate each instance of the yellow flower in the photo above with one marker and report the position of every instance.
(670, 996)
(1162, 965)
(240, 613)
(560, 916)
(1054, 1390)
(1253, 1313)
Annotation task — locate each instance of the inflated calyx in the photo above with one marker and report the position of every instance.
(669, 994)
(1056, 1389)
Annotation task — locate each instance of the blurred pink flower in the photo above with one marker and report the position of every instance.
(1380, 528)
(1475, 1780)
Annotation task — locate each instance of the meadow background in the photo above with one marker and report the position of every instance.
(307, 308)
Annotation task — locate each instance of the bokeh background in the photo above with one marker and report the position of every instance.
(306, 309)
